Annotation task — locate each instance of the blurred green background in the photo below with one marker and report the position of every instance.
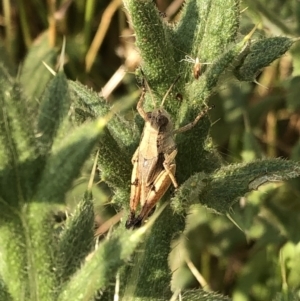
(250, 255)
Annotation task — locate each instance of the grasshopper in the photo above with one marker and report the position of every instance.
(154, 160)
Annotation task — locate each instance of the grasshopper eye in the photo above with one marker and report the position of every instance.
(149, 115)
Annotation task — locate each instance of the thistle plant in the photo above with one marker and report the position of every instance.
(45, 143)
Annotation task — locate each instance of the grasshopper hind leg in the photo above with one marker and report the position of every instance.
(138, 221)
(159, 188)
(130, 221)
(135, 191)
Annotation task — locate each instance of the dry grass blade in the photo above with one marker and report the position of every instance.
(100, 34)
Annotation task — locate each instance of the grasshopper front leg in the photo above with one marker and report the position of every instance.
(190, 125)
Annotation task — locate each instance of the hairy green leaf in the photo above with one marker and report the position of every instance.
(89, 105)
(221, 189)
(154, 43)
(53, 110)
(195, 295)
(18, 151)
(107, 259)
(38, 224)
(205, 30)
(34, 75)
(261, 54)
(150, 276)
(66, 160)
(76, 239)
(13, 262)
(119, 137)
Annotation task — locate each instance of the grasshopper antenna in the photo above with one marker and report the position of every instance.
(168, 92)
(146, 85)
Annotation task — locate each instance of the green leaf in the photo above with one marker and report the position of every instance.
(4, 294)
(66, 160)
(205, 30)
(78, 236)
(34, 75)
(188, 193)
(16, 130)
(27, 247)
(261, 54)
(154, 42)
(287, 296)
(289, 255)
(13, 251)
(53, 109)
(105, 262)
(118, 138)
(89, 105)
(38, 223)
(221, 189)
(195, 295)
(150, 276)
(18, 151)
(201, 157)
(6, 61)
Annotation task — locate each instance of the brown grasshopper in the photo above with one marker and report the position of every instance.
(154, 160)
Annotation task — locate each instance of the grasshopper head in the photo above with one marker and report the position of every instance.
(160, 120)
